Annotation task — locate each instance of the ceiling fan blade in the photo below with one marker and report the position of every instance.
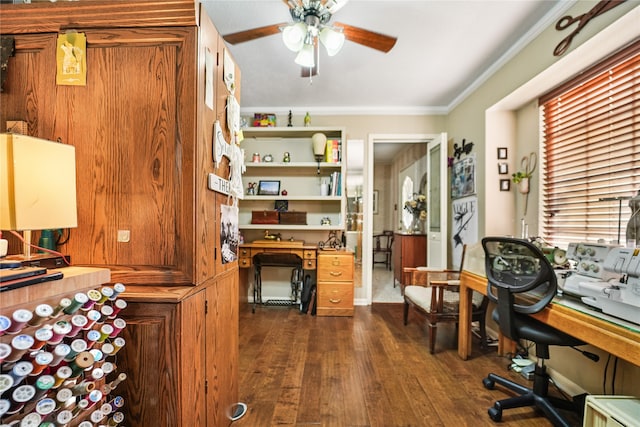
(254, 33)
(367, 38)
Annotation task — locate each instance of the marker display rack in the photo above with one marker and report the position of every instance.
(59, 357)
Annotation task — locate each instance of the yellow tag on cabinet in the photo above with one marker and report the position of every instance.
(71, 59)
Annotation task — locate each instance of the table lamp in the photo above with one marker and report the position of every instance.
(318, 143)
(37, 186)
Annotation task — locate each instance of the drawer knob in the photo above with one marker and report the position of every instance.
(335, 301)
(336, 273)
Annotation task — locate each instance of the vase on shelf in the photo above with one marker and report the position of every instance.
(417, 226)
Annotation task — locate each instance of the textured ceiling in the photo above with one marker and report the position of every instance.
(443, 49)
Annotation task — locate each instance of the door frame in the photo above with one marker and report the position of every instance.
(367, 194)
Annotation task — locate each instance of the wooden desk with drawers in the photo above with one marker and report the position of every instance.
(334, 271)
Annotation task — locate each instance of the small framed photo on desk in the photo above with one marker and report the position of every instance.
(268, 188)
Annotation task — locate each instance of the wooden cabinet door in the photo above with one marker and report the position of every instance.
(221, 355)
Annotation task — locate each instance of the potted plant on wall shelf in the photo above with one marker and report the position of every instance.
(521, 179)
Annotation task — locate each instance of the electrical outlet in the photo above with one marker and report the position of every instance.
(124, 236)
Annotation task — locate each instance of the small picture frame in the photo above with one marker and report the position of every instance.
(502, 153)
(282, 205)
(503, 168)
(268, 188)
(505, 184)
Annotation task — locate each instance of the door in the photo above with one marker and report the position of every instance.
(437, 196)
(436, 221)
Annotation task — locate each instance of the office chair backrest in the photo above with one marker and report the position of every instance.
(515, 266)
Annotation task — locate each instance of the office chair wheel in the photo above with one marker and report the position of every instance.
(495, 414)
(488, 383)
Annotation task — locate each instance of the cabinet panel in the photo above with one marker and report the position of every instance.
(150, 360)
(409, 250)
(221, 357)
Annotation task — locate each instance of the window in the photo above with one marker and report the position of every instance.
(591, 154)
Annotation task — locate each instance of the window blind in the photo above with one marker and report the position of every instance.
(591, 152)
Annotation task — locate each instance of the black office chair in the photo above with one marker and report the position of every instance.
(521, 281)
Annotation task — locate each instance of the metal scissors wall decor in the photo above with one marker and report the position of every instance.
(528, 163)
(582, 20)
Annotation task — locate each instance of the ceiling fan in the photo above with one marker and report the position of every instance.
(310, 24)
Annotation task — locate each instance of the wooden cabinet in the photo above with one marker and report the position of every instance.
(409, 250)
(143, 136)
(335, 283)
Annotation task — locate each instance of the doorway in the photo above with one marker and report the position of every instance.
(434, 224)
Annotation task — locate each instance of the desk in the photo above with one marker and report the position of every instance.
(271, 253)
(615, 339)
(308, 253)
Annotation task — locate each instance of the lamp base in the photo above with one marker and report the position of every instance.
(41, 260)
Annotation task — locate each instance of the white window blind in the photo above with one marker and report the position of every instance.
(591, 154)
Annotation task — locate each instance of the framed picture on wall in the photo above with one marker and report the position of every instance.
(268, 188)
(502, 153)
(505, 185)
(375, 202)
(503, 168)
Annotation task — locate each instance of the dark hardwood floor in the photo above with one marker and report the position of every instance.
(369, 370)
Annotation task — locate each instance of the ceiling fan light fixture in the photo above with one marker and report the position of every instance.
(332, 40)
(293, 36)
(305, 57)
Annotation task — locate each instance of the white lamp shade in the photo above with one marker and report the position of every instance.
(37, 184)
(318, 141)
(305, 57)
(332, 40)
(293, 36)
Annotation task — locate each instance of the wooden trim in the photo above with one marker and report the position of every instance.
(60, 16)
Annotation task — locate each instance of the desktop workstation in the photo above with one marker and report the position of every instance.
(616, 336)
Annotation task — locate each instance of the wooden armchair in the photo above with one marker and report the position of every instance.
(382, 246)
(435, 293)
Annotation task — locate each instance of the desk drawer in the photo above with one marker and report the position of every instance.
(244, 262)
(335, 267)
(335, 299)
(309, 264)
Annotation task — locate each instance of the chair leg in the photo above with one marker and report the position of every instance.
(433, 329)
(405, 312)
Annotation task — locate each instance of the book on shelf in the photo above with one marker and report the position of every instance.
(335, 184)
(332, 151)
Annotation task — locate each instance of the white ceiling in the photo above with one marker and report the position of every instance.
(444, 48)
